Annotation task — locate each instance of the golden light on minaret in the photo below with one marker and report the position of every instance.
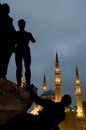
(44, 84)
(57, 83)
(80, 112)
(22, 79)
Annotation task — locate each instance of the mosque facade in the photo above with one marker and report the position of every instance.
(75, 117)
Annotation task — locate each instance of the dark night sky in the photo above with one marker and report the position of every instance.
(55, 24)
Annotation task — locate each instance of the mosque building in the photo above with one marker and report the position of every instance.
(75, 117)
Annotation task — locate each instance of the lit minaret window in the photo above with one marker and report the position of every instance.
(57, 83)
(44, 84)
(80, 112)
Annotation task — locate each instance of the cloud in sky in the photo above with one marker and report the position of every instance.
(55, 25)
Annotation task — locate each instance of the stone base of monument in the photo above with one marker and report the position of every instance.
(13, 100)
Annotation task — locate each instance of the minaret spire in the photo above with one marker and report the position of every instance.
(44, 84)
(80, 112)
(57, 83)
(57, 70)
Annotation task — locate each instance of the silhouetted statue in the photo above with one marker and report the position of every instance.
(6, 38)
(22, 52)
(52, 114)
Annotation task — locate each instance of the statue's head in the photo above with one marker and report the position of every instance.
(21, 23)
(5, 8)
(66, 100)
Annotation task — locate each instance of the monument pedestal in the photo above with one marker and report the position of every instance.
(13, 100)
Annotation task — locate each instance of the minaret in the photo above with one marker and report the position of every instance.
(80, 112)
(44, 84)
(57, 83)
(22, 79)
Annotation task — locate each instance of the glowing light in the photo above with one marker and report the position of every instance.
(77, 81)
(57, 69)
(57, 80)
(79, 112)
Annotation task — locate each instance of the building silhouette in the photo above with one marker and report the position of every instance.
(75, 117)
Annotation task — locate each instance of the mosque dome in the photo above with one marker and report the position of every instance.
(50, 92)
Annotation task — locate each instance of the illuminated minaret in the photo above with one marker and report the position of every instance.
(44, 84)
(22, 79)
(80, 112)
(57, 83)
